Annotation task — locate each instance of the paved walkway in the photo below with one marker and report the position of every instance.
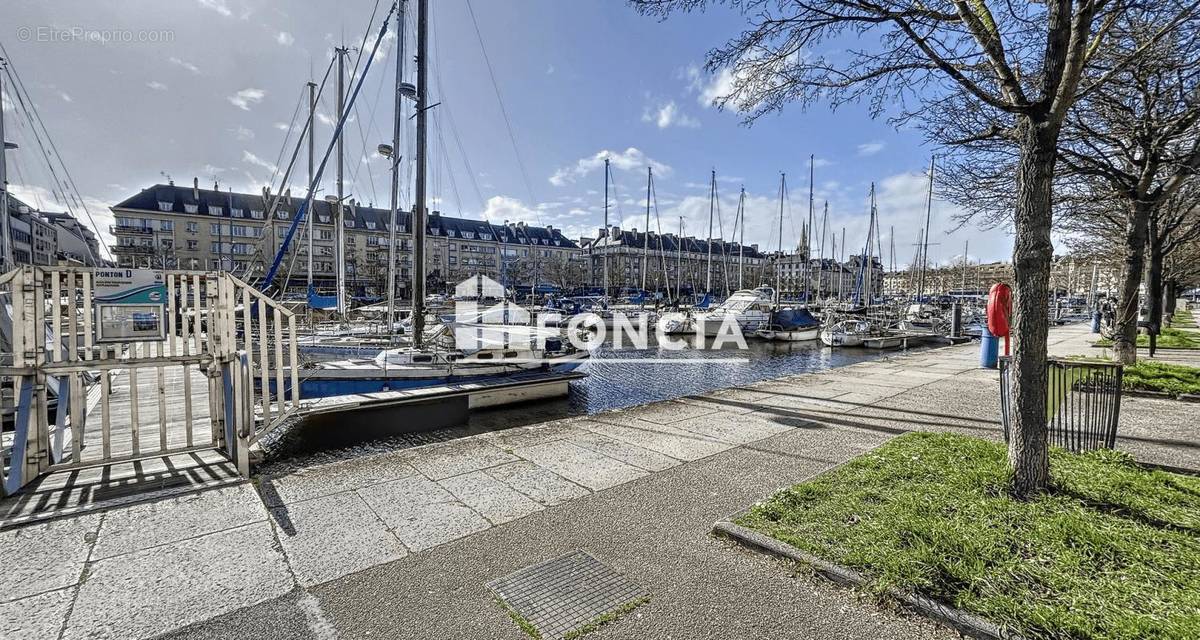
(402, 544)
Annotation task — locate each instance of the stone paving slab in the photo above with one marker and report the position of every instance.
(540, 485)
(421, 512)
(332, 536)
(36, 617)
(491, 498)
(324, 480)
(459, 457)
(623, 451)
(150, 524)
(45, 556)
(148, 592)
(677, 443)
(581, 466)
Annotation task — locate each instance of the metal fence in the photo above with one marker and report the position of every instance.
(1083, 402)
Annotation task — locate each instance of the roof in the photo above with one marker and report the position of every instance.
(176, 199)
(671, 243)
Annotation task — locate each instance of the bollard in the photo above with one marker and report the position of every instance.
(1095, 322)
(989, 349)
(956, 320)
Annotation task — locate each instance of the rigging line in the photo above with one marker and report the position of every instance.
(288, 136)
(446, 158)
(11, 72)
(363, 159)
(363, 44)
(445, 106)
(504, 112)
(662, 254)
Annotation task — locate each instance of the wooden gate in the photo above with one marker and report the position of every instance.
(71, 400)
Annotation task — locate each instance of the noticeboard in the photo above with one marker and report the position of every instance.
(130, 305)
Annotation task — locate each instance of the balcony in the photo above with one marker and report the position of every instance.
(133, 249)
(130, 229)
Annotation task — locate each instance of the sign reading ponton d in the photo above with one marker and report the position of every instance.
(130, 305)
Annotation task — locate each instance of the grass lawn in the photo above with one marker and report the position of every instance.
(1112, 552)
(1168, 338)
(1158, 376)
(1183, 319)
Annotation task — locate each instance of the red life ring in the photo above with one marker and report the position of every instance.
(999, 309)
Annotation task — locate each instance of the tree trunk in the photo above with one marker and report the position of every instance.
(1124, 334)
(1172, 293)
(1154, 285)
(1032, 253)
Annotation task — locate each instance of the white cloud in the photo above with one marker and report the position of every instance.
(282, 126)
(185, 64)
(669, 115)
(871, 148)
(501, 208)
(246, 97)
(156, 85)
(216, 5)
(250, 158)
(242, 133)
(631, 158)
(707, 88)
(284, 38)
(550, 69)
(66, 97)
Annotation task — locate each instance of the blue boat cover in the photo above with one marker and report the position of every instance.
(788, 319)
(703, 304)
(316, 301)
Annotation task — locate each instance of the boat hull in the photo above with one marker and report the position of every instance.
(792, 335)
(831, 339)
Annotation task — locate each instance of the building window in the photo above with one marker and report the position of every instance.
(165, 206)
(348, 223)
(237, 213)
(166, 225)
(370, 225)
(453, 260)
(215, 228)
(191, 208)
(193, 245)
(238, 230)
(281, 214)
(326, 235)
(193, 227)
(256, 214)
(215, 211)
(323, 219)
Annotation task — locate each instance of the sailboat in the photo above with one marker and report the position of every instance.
(789, 324)
(494, 352)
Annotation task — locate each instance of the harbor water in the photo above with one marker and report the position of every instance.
(616, 378)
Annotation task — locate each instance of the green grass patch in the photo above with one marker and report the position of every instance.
(611, 616)
(1168, 338)
(1113, 551)
(1160, 376)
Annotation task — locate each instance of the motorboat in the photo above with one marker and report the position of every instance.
(847, 333)
(747, 309)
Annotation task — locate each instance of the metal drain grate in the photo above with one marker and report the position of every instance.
(565, 593)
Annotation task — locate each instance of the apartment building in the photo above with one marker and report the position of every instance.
(170, 226)
(44, 238)
(671, 261)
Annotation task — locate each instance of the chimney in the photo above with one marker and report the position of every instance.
(288, 196)
(266, 195)
(216, 185)
(195, 188)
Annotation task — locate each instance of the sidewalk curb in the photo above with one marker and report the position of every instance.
(968, 624)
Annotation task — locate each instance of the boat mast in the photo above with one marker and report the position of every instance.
(821, 254)
(8, 261)
(842, 267)
(742, 238)
(339, 224)
(418, 302)
(925, 242)
(312, 107)
(778, 263)
(966, 263)
(712, 197)
(646, 237)
(607, 239)
(679, 261)
(393, 212)
(808, 230)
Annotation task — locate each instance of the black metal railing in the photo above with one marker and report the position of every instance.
(1083, 402)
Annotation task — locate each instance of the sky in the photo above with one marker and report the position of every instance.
(133, 91)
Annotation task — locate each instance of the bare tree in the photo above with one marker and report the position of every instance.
(1012, 74)
(1134, 142)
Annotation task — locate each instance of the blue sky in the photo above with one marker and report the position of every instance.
(579, 79)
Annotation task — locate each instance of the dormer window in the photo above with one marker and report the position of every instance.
(348, 223)
(215, 211)
(257, 214)
(237, 213)
(191, 208)
(469, 235)
(449, 233)
(370, 225)
(323, 219)
(165, 206)
(281, 214)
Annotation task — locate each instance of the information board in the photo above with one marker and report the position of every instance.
(130, 305)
